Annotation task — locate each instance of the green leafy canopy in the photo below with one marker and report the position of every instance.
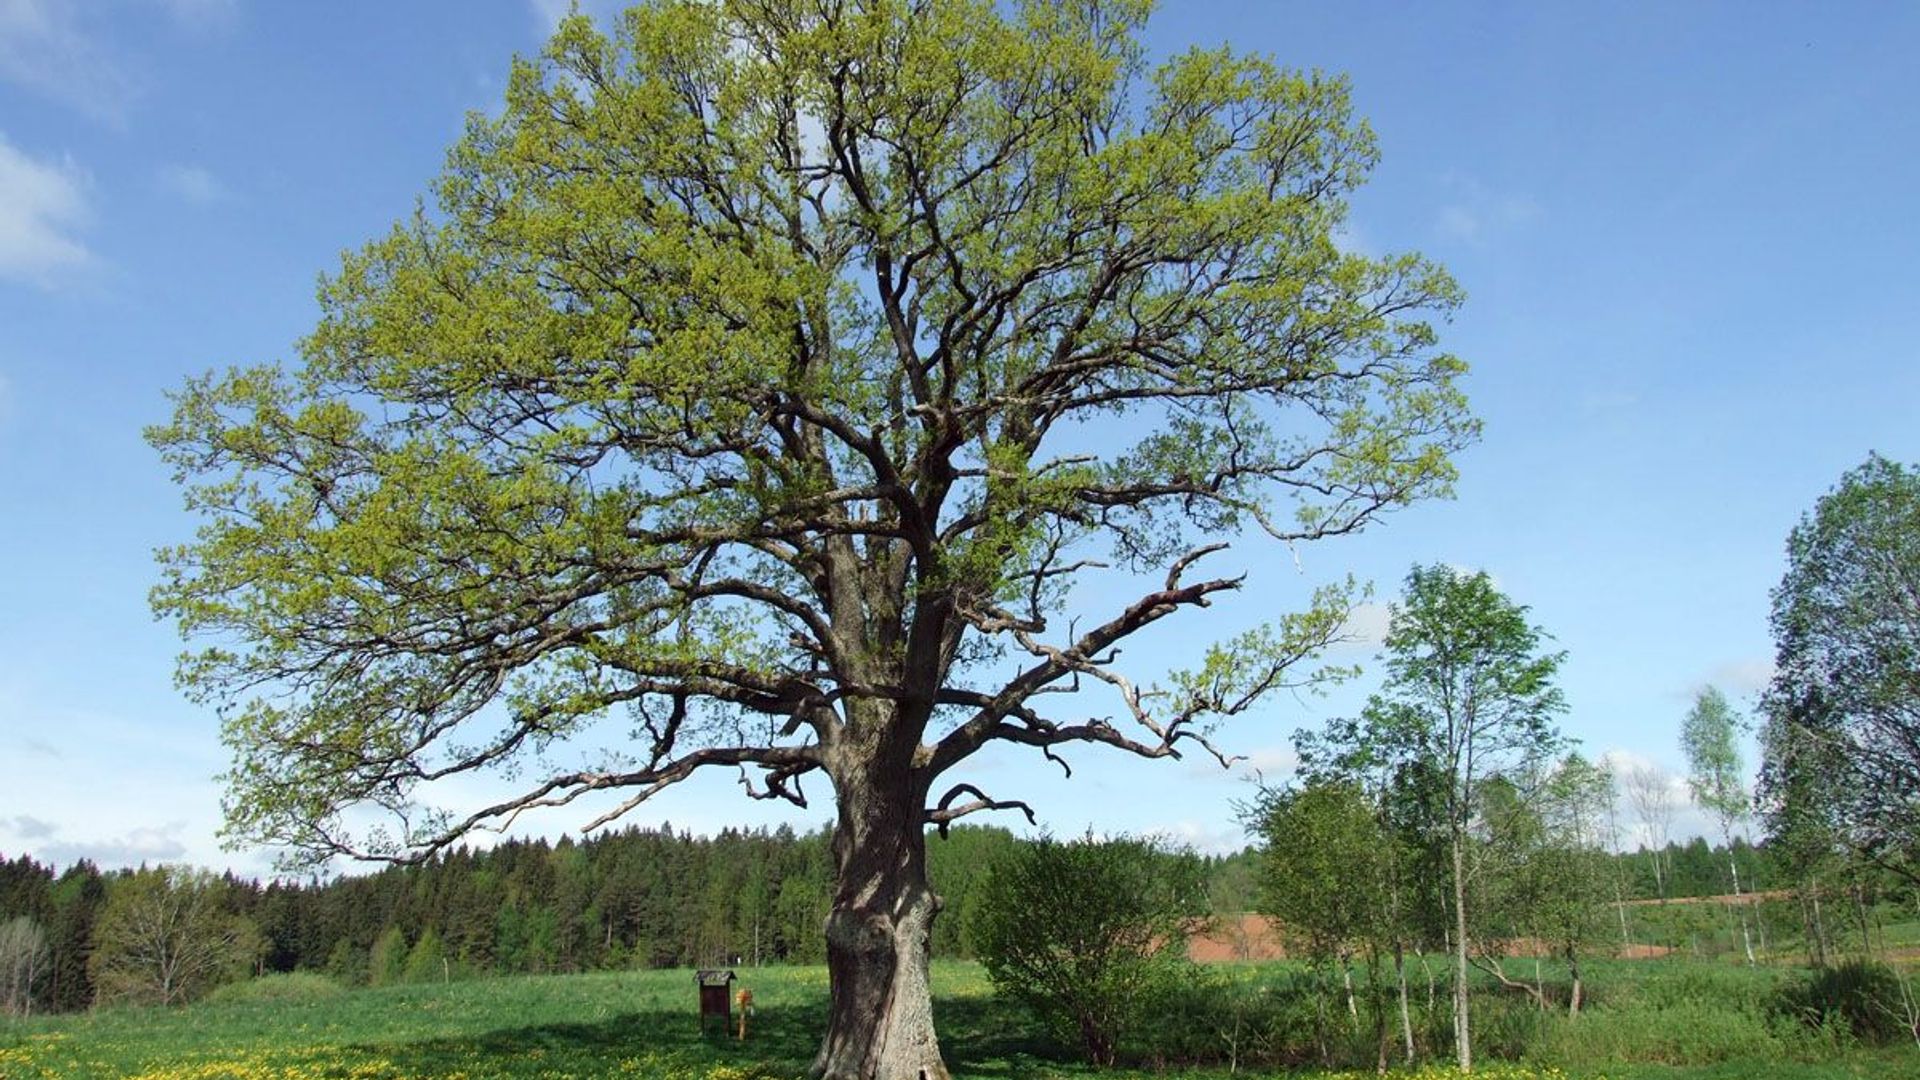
(772, 372)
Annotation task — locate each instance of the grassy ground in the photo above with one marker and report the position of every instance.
(643, 1024)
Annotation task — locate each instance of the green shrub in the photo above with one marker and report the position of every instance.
(286, 988)
(1869, 998)
(1702, 1032)
(1091, 935)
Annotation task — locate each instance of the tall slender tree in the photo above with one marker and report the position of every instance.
(770, 372)
(1470, 693)
(1710, 737)
(1650, 791)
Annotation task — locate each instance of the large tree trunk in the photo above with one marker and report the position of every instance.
(879, 935)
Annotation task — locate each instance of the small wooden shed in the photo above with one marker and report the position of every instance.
(715, 1000)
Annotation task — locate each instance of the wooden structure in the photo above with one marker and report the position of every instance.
(715, 1001)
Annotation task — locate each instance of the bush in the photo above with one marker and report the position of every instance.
(1698, 1033)
(1868, 997)
(289, 988)
(1091, 935)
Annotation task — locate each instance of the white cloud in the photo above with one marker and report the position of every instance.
(43, 49)
(1477, 214)
(1367, 624)
(1204, 837)
(1349, 239)
(1264, 765)
(1686, 819)
(192, 184)
(147, 844)
(548, 13)
(1743, 678)
(41, 204)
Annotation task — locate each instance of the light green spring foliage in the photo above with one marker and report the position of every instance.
(387, 964)
(166, 936)
(1090, 934)
(793, 365)
(1710, 738)
(1544, 872)
(1325, 871)
(1470, 691)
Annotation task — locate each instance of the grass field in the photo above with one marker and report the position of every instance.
(1663, 1019)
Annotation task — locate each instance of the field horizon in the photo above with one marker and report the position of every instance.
(1648, 1022)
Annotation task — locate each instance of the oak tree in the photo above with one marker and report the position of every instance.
(771, 374)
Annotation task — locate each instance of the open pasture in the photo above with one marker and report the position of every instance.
(1657, 1019)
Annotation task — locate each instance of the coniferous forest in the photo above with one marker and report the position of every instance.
(634, 898)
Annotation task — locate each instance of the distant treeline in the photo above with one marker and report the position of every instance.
(632, 898)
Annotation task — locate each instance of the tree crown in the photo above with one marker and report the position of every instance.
(772, 372)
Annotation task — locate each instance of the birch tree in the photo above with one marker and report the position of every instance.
(1710, 737)
(1469, 694)
(164, 938)
(24, 960)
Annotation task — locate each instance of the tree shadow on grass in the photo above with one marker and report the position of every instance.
(981, 1037)
(780, 1043)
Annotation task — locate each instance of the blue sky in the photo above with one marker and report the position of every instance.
(1687, 233)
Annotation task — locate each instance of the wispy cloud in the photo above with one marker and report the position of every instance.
(1475, 213)
(191, 183)
(148, 844)
(28, 743)
(548, 13)
(42, 204)
(203, 14)
(44, 50)
(1264, 765)
(143, 844)
(1367, 623)
(1207, 838)
(1743, 678)
(29, 828)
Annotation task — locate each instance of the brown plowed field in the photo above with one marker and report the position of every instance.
(1255, 937)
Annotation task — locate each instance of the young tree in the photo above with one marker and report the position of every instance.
(1402, 797)
(1469, 694)
(1573, 863)
(165, 937)
(387, 963)
(1089, 933)
(743, 381)
(1709, 735)
(1846, 631)
(427, 960)
(1650, 793)
(1801, 809)
(23, 964)
(1327, 876)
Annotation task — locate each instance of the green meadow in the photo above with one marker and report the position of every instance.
(1666, 1018)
